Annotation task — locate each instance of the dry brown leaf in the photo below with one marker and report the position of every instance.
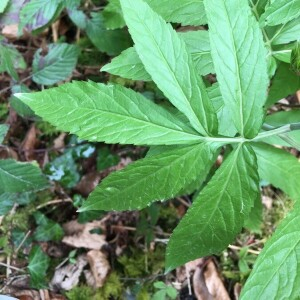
(29, 143)
(188, 268)
(79, 235)
(59, 142)
(67, 277)
(88, 183)
(10, 31)
(207, 283)
(99, 266)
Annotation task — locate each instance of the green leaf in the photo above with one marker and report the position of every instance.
(56, 66)
(109, 113)
(255, 218)
(129, 65)
(19, 177)
(239, 57)
(3, 132)
(113, 42)
(47, 230)
(3, 5)
(279, 168)
(284, 83)
(286, 33)
(295, 58)
(106, 159)
(258, 6)
(276, 273)
(186, 12)
(78, 17)
(157, 44)
(112, 15)
(159, 177)
(38, 265)
(280, 12)
(38, 13)
(22, 109)
(10, 60)
(218, 213)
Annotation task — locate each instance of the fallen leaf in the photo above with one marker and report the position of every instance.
(207, 283)
(67, 277)
(99, 266)
(79, 235)
(10, 31)
(29, 143)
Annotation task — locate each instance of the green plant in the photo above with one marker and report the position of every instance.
(186, 139)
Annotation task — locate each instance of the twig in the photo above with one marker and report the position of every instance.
(9, 87)
(11, 267)
(182, 201)
(188, 280)
(232, 247)
(54, 202)
(23, 241)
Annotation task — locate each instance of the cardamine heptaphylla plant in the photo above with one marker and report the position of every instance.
(186, 139)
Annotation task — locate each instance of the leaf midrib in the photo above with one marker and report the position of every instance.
(13, 176)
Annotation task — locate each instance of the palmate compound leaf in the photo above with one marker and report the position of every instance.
(158, 177)
(217, 215)
(167, 60)
(20, 177)
(109, 113)
(276, 273)
(239, 56)
(279, 168)
(280, 12)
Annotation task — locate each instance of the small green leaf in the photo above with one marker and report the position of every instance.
(113, 42)
(255, 218)
(286, 33)
(3, 5)
(295, 58)
(22, 109)
(109, 113)
(19, 177)
(280, 12)
(56, 66)
(157, 44)
(279, 168)
(158, 177)
(38, 265)
(38, 13)
(47, 230)
(106, 159)
(3, 132)
(279, 90)
(10, 60)
(218, 213)
(239, 57)
(276, 273)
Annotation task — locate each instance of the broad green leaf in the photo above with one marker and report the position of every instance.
(276, 273)
(38, 13)
(157, 44)
(109, 113)
(11, 14)
(280, 12)
(56, 66)
(3, 131)
(129, 65)
(186, 12)
(279, 168)
(3, 5)
(218, 213)
(295, 58)
(38, 265)
(78, 17)
(10, 60)
(159, 177)
(19, 177)
(287, 32)
(47, 229)
(239, 57)
(284, 83)
(113, 42)
(112, 15)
